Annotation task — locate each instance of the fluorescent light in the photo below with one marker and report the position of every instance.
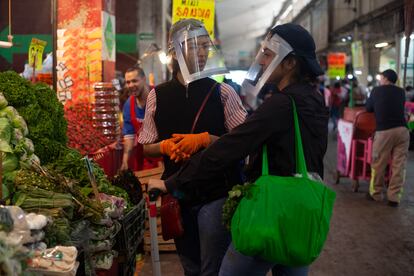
(5, 44)
(382, 44)
(350, 77)
(358, 72)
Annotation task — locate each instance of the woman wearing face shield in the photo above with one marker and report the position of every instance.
(172, 131)
(287, 59)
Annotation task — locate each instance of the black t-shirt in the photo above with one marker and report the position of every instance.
(387, 103)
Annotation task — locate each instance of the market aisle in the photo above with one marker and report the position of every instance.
(366, 238)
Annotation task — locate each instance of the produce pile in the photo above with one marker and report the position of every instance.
(82, 133)
(14, 144)
(70, 163)
(42, 176)
(43, 113)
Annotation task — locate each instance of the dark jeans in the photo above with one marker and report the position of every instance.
(205, 239)
(335, 115)
(237, 264)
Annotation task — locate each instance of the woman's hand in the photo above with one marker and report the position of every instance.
(157, 184)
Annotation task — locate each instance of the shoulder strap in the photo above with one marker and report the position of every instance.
(134, 121)
(202, 106)
(299, 155)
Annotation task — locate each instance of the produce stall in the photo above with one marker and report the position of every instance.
(62, 214)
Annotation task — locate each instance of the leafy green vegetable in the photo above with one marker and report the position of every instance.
(18, 122)
(3, 101)
(5, 130)
(10, 162)
(42, 111)
(230, 206)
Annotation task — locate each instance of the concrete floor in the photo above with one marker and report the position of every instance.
(366, 238)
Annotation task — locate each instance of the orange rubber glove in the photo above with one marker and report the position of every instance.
(191, 143)
(166, 146)
(179, 156)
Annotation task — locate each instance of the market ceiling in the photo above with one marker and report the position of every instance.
(240, 22)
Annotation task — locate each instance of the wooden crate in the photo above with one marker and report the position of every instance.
(163, 246)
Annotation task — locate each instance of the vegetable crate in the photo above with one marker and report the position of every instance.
(132, 231)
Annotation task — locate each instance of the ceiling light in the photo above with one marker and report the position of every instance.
(343, 39)
(350, 77)
(382, 44)
(338, 77)
(164, 58)
(358, 72)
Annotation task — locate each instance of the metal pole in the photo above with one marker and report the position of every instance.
(164, 37)
(54, 41)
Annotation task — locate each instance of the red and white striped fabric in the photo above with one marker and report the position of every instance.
(234, 113)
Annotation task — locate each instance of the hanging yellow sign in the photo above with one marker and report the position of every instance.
(36, 49)
(202, 10)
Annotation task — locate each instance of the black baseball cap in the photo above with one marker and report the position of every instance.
(302, 44)
(390, 75)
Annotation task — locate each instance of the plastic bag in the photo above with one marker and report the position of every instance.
(47, 64)
(35, 221)
(57, 259)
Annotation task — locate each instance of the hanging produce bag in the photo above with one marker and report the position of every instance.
(284, 220)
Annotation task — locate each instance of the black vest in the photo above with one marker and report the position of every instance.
(177, 107)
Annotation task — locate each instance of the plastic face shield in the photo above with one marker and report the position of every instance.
(273, 50)
(196, 55)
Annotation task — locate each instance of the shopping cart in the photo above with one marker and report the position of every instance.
(354, 148)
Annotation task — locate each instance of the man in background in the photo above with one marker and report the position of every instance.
(133, 114)
(391, 138)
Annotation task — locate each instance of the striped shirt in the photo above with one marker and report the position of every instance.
(234, 113)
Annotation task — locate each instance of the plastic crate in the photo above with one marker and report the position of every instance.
(132, 231)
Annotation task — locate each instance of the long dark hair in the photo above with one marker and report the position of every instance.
(302, 73)
(175, 67)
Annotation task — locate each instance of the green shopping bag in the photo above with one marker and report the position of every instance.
(284, 219)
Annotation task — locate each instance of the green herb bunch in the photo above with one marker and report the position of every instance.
(235, 196)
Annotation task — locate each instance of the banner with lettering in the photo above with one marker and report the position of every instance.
(336, 65)
(202, 10)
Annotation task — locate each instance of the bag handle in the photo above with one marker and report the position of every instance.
(299, 154)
